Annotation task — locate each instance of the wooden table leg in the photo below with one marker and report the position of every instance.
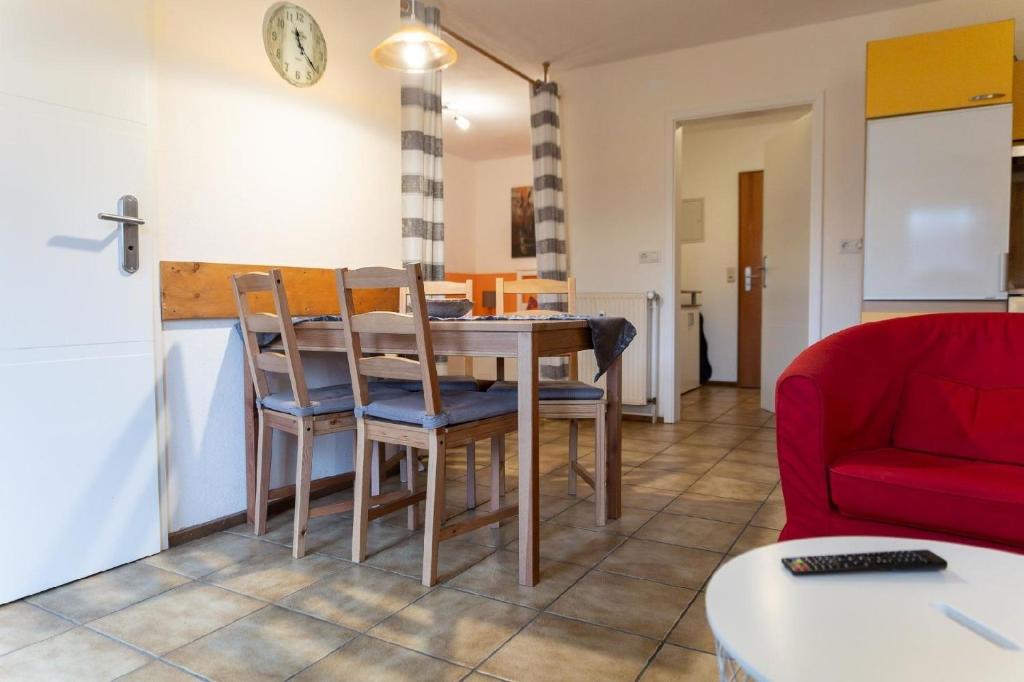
(613, 429)
(529, 479)
(249, 427)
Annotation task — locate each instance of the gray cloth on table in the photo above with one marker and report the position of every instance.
(610, 336)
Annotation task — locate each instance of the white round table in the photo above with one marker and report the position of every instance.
(963, 623)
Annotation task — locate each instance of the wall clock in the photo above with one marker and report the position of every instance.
(294, 44)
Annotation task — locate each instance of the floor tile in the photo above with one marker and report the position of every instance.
(642, 497)
(454, 557)
(693, 631)
(497, 576)
(573, 545)
(716, 508)
(22, 624)
(719, 436)
(644, 445)
(380, 535)
(372, 659)
(771, 515)
(743, 456)
(759, 445)
(642, 607)
(582, 515)
(745, 471)
(764, 434)
(270, 644)
(753, 537)
(176, 617)
(676, 481)
(78, 654)
(554, 649)
(206, 555)
(358, 597)
(665, 563)
(674, 663)
(745, 416)
(158, 671)
(274, 576)
(89, 598)
(690, 531)
(733, 488)
(456, 626)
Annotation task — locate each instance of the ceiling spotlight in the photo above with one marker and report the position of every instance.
(462, 122)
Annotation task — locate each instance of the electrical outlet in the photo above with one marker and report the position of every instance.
(851, 247)
(649, 257)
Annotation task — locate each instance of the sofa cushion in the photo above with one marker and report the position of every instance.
(945, 494)
(457, 408)
(954, 418)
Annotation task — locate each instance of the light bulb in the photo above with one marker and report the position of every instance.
(414, 55)
(462, 122)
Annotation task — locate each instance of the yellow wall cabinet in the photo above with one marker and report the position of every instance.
(1018, 101)
(962, 67)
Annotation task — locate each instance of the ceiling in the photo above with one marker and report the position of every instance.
(576, 33)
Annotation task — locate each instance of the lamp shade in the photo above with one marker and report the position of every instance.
(414, 49)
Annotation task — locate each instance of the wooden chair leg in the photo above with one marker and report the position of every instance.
(411, 471)
(361, 494)
(600, 468)
(470, 475)
(497, 473)
(264, 455)
(435, 507)
(574, 431)
(376, 469)
(303, 472)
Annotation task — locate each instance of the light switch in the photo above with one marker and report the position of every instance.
(649, 257)
(730, 274)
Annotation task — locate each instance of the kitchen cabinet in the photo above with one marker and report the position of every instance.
(958, 68)
(937, 205)
(1018, 100)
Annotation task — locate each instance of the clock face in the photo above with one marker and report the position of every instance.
(295, 44)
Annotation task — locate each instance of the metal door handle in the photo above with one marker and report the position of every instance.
(987, 96)
(764, 272)
(126, 219)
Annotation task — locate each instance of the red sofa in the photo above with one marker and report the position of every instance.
(909, 427)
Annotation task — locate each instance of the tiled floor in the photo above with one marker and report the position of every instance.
(623, 602)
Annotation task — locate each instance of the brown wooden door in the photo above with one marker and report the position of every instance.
(751, 212)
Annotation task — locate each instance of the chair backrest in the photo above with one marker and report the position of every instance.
(460, 289)
(391, 324)
(534, 286)
(279, 322)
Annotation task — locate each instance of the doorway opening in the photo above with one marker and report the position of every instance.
(744, 205)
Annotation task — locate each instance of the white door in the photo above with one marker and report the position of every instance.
(937, 205)
(787, 230)
(78, 464)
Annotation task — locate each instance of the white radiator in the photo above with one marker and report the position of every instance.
(640, 361)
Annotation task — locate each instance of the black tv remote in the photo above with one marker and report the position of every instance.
(903, 560)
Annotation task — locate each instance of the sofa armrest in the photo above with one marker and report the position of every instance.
(841, 395)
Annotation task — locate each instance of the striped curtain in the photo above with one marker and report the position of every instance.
(549, 214)
(422, 152)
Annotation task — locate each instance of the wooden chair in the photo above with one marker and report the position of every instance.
(302, 412)
(460, 290)
(572, 399)
(420, 420)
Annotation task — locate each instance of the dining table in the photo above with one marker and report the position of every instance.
(525, 340)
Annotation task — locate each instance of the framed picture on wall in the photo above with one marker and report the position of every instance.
(524, 240)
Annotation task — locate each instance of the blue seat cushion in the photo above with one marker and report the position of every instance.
(324, 400)
(553, 390)
(447, 384)
(458, 408)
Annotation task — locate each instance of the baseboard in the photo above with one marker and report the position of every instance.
(277, 506)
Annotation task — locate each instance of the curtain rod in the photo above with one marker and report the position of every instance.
(497, 60)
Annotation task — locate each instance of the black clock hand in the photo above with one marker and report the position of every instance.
(302, 51)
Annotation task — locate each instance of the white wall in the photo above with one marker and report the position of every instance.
(478, 211)
(252, 170)
(617, 139)
(711, 162)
